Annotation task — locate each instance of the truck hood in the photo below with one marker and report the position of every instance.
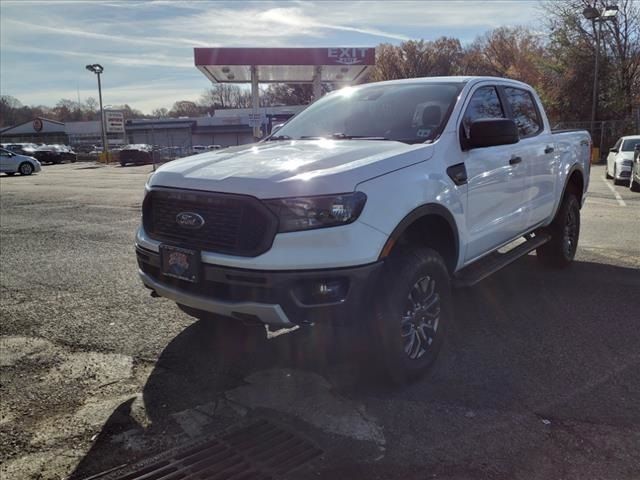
(290, 168)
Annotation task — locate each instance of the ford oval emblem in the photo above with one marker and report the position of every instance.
(189, 220)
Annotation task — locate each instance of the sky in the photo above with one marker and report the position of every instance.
(146, 47)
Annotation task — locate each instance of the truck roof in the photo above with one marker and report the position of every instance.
(456, 79)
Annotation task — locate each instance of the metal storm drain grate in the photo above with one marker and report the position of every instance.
(259, 451)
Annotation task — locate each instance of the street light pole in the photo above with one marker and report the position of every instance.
(594, 99)
(596, 16)
(98, 69)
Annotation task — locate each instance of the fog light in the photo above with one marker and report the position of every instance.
(323, 291)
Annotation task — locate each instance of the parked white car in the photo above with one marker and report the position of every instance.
(620, 159)
(12, 163)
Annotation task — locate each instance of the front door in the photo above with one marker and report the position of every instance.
(495, 182)
(5, 161)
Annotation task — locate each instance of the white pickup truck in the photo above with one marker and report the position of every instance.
(365, 209)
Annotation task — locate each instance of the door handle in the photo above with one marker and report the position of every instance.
(515, 160)
(549, 150)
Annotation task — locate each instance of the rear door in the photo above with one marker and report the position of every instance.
(494, 183)
(537, 153)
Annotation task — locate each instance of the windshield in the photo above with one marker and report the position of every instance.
(410, 113)
(630, 145)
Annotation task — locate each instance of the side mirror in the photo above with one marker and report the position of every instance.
(491, 132)
(276, 127)
(613, 150)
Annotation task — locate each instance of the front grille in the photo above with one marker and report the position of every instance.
(233, 224)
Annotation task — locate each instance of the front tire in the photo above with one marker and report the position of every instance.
(560, 251)
(633, 185)
(412, 310)
(615, 180)
(25, 168)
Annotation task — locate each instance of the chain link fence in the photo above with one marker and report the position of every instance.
(605, 132)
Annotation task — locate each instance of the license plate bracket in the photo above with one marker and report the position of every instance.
(180, 263)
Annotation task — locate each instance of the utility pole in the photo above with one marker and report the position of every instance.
(98, 69)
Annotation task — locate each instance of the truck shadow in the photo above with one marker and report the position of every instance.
(526, 338)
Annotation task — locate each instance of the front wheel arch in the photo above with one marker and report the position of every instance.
(430, 225)
(31, 169)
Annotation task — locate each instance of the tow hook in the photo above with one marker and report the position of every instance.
(282, 331)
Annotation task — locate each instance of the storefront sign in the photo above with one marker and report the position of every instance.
(114, 121)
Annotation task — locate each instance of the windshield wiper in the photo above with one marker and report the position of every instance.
(342, 136)
(278, 137)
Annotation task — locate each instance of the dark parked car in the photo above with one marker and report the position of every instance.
(55, 154)
(138, 154)
(21, 148)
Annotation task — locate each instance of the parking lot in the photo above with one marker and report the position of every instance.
(540, 377)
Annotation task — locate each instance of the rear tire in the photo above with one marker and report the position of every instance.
(560, 251)
(412, 311)
(25, 168)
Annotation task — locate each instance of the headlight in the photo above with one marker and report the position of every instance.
(147, 184)
(306, 213)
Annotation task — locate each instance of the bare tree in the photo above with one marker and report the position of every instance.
(160, 113)
(221, 95)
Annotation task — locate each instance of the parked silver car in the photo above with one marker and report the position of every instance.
(634, 183)
(12, 163)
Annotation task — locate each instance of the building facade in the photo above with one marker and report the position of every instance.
(223, 127)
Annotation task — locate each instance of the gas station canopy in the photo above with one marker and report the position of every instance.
(285, 65)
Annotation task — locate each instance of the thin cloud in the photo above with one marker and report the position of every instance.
(165, 41)
(157, 60)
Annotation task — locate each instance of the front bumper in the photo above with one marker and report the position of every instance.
(278, 298)
(623, 171)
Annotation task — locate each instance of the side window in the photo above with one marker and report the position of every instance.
(525, 114)
(484, 104)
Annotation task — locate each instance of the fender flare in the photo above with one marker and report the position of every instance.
(434, 209)
(576, 167)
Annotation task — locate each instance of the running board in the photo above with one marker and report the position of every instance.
(481, 269)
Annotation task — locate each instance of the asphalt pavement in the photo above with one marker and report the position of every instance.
(539, 378)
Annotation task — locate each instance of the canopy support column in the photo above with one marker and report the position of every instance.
(255, 102)
(317, 83)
